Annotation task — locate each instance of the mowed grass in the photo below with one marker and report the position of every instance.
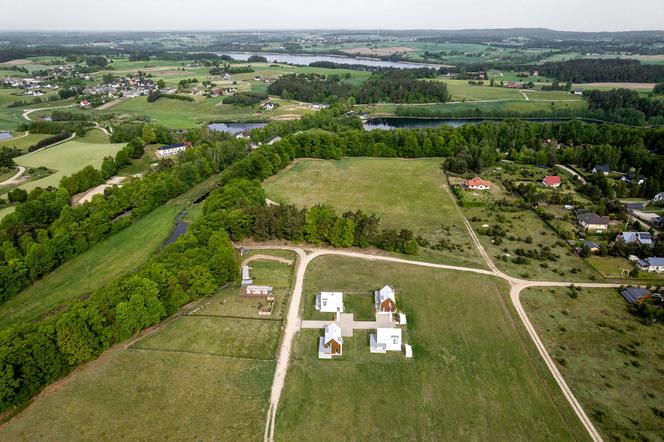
(405, 194)
(475, 374)
(136, 394)
(66, 158)
(104, 262)
(611, 360)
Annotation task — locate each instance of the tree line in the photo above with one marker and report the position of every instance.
(603, 70)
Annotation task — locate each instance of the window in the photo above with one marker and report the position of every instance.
(395, 340)
(324, 302)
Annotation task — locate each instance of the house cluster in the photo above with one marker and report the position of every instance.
(387, 336)
(172, 149)
(129, 87)
(31, 86)
(477, 183)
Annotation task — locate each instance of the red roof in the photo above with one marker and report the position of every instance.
(552, 180)
(477, 181)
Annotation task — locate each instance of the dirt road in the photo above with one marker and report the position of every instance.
(15, 179)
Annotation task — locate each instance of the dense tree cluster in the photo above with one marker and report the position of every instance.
(245, 98)
(621, 100)
(310, 87)
(44, 231)
(603, 70)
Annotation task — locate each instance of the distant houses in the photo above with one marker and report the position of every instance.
(551, 181)
(330, 302)
(643, 238)
(593, 222)
(477, 183)
(385, 300)
(603, 169)
(635, 294)
(633, 178)
(653, 264)
(385, 339)
(172, 149)
(331, 344)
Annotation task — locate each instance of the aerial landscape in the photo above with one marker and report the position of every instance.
(290, 220)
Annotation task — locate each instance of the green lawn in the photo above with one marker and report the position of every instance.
(120, 254)
(403, 193)
(611, 361)
(475, 374)
(66, 159)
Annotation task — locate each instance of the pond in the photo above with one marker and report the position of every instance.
(5, 136)
(306, 59)
(234, 128)
(180, 229)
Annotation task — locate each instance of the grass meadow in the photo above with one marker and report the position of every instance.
(67, 158)
(22, 142)
(406, 194)
(205, 375)
(475, 374)
(111, 258)
(610, 359)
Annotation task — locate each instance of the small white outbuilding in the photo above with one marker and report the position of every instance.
(330, 302)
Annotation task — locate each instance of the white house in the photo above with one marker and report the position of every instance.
(385, 300)
(172, 149)
(246, 278)
(330, 302)
(654, 264)
(385, 339)
(332, 343)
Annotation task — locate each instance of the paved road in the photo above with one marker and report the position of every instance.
(15, 179)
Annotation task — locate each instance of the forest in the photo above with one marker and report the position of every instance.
(603, 70)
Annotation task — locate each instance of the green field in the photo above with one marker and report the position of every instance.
(202, 376)
(405, 194)
(461, 90)
(475, 374)
(611, 361)
(23, 142)
(66, 159)
(106, 261)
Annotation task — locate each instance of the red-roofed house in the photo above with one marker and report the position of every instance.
(478, 183)
(551, 181)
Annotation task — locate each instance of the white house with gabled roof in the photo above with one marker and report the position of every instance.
(385, 300)
(332, 343)
(330, 302)
(385, 339)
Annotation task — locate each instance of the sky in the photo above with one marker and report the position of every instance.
(212, 15)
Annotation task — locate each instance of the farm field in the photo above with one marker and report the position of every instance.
(66, 158)
(383, 186)
(611, 360)
(472, 363)
(214, 379)
(461, 90)
(121, 253)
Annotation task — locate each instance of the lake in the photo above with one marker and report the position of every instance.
(5, 136)
(234, 128)
(306, 59)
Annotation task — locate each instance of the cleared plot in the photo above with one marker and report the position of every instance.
(244, 338)
(228, 302)
(118, 255)
(66, 159)
(526, 231)
(611, 360)
(152, 395)
(405, 194)
(475, 375)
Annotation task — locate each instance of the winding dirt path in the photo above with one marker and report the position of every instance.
(15, 179)
(268, 258)
(27, 112)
